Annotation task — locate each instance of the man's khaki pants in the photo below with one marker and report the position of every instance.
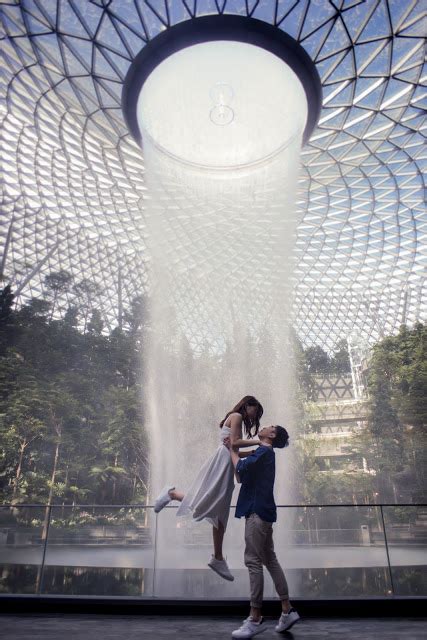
(259, 551)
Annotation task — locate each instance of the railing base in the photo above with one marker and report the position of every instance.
(392, 606)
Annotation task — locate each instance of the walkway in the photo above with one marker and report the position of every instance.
(94, 627)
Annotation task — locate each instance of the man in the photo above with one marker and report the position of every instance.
(256, 504)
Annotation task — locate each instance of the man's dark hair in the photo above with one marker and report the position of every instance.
(282, 438)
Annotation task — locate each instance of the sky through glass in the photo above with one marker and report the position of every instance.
(73, 178)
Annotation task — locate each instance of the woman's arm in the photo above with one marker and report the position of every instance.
(235, 460)
(236, 439)
(245, 454)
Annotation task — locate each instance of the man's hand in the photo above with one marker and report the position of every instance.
(227, 442)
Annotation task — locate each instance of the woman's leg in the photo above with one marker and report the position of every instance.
(176, 495)
(218, 537)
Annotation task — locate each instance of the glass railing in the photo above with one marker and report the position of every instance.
(326, 551)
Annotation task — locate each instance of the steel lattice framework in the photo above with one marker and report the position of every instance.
(73, 185)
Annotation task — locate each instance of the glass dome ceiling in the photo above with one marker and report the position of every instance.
(73, 178)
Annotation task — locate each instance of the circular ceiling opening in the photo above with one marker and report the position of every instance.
(222, 104)
(222, 92)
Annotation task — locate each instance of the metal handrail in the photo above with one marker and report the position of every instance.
(151, 506)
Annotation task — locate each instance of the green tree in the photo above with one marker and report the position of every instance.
(70, 402)
(340, 361)
(6, 303)
(86, 293)
(123, 447)
(394, 441)
(58, 283)
(317, 361)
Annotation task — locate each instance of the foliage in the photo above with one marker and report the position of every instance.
(71, 424)
(318, 362)
(395, 438)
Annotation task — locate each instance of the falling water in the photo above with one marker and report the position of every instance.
(220, 237)
(221, 258)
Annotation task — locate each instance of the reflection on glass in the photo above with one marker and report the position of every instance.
(406, 530)
(183, 550)
(333, 551)
(99, 551)
(326, 552)
(21, 548)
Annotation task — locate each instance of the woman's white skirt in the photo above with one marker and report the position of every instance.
(209, 496)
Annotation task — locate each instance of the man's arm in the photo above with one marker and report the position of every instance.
(246, 465)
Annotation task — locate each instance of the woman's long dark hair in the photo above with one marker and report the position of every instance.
(250, 423)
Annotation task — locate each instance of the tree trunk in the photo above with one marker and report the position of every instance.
(66, 487)
(19, 468)
(54, 469)
(133, 487)
(58, 430)
(114, 480)
(86, 316)
(55, 296)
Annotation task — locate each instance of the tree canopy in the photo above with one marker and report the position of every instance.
(72, 426)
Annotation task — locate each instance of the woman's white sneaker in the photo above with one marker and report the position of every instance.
(287, 620)
(221, 568)
(163, 498)
(249, 628)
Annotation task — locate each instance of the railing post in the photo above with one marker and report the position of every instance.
(155, 553)
(46, 536)
(387, 551)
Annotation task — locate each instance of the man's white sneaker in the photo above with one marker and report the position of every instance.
(287, 620)
(163, 498)
(249, 628)
(221, 568)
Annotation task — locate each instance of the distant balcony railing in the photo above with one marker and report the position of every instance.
(127, 550)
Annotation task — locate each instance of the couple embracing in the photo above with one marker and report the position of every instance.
(209, 498)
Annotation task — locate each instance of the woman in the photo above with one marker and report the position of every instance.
(209, 497)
